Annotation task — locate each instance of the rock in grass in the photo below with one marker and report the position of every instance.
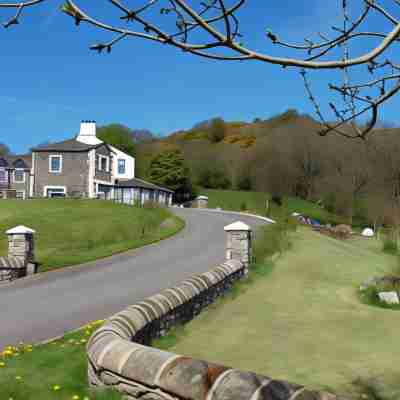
(389, 297)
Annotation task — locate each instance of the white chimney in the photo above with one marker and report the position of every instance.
(87, 133)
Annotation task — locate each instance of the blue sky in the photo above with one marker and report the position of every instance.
(50, 80)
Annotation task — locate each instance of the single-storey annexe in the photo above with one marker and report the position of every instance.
(137, 191)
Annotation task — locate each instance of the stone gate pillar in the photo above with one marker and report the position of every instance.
(201, 202)
(21, 245)
(238, 246)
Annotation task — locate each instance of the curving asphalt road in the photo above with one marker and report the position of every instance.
(52, 303)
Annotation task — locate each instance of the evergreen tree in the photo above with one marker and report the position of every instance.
(170, 170)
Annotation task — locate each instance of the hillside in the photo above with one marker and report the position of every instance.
(285, 157)
(72, 232)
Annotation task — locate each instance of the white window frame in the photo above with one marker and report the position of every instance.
(23, 175)
(118, 161)
(47, 187)
(5, 175)
(23, 194)
(61, 163)
(107, 163)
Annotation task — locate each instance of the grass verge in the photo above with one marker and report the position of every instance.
(70, 232)
(305, 322)
(56, 370)
(255, 202)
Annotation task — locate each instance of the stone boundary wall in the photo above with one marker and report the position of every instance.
(11, 268)
(118, 355)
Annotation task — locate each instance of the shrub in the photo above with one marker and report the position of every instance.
(389, 241)
(329, 202)
(390, 246)
(274, 238)
(217, 130)
(213, 178)
(244, 182)
(243, 206)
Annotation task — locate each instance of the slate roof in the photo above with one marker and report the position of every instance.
(3, 162)
(18, 161)
(66, 145)
(140, 183)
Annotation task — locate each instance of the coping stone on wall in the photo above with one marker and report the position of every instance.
(118, 357)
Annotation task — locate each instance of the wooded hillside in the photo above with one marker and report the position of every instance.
(285, 156)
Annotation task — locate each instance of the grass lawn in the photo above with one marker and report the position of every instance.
(75, 231)
(57, 370)
(256, 202)
(303, 321)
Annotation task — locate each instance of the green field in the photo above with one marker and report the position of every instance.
(303, 321)
(57, 370)
(256, 202)
(71, 232)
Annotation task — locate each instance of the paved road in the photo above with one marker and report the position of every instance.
(49, 304)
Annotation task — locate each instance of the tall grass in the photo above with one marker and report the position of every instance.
(274, 238)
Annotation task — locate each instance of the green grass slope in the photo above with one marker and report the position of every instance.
(304, 322)
(57, 370)
(75, 231)
(256, 202)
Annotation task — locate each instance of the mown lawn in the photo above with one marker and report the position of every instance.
(71, 232)
(53, 371)
(256, 202)
(303, 321)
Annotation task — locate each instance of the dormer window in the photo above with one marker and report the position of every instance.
(55, 164)
(104, 163)
(19, 175)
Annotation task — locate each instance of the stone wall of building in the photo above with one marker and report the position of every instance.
(74, 174)
(119, 355)
(105, 176)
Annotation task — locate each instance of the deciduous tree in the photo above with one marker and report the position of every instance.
(119, 136)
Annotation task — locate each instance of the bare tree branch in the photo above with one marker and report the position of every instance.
(211, 29)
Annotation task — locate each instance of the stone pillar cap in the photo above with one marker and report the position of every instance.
(202, 198)
(237, 226)
(20, 230)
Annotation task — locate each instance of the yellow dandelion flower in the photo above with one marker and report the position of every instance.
(8, 352)
(29, 350)
(2, 364)
(56, 388)
(75, 397)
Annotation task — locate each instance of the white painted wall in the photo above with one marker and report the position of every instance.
(87, 134)
(129, 164)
